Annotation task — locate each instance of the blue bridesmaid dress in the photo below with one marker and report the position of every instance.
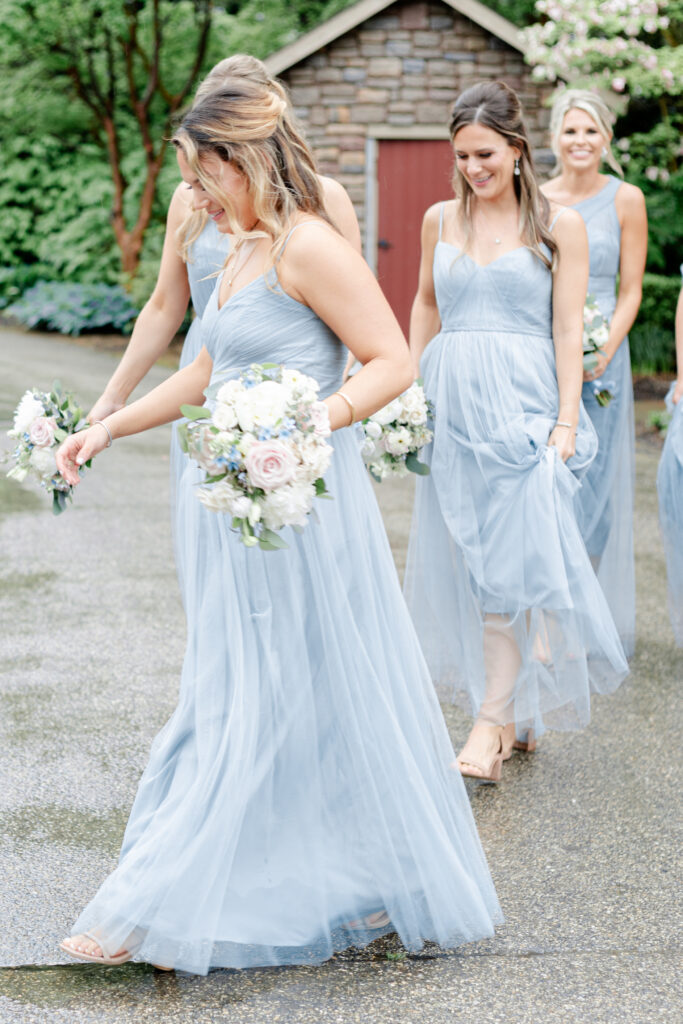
(606, 497)
(670, 492)
(306, 779)
(507, 607)
(208, 254)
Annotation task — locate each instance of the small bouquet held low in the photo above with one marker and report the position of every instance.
(262, 446)
(595, 337)
(42, 420)
(395, 435)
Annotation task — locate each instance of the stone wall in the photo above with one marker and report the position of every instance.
(401, 69)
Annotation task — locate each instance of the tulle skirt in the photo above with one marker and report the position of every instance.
(507, 607)
(306, 778)
(605, 502)
(670, 492)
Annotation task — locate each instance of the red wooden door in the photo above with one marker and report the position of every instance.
(411, 175)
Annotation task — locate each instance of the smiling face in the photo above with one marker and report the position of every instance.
(485, 159)
(580, 141)
(231, 182)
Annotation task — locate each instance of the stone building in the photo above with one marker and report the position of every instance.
(373, 86)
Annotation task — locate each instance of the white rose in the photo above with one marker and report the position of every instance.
(28, 410)
(368, 449)
(417, 417)
(219, 497)
(316, 459)
(388, 414)
(261, 406)
(398, 442)
(372, 429)
(241, 507)
(224, 416)
(43, 461)
(288, 506)
(245, 443)
(229, 392)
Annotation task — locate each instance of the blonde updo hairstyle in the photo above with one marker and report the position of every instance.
(252, 113)
(596, 108)
(495, 105)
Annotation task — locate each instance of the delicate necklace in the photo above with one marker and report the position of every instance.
(496, 240)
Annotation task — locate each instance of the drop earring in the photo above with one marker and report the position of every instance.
(517, 167)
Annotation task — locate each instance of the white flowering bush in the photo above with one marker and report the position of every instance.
(262, 446)
(619, 44)
(42, 420)
(396, 433)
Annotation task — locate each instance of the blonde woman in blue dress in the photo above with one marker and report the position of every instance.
(507, 606)
(616, 221)
(301, 798)
(670, 487)
(195, 249)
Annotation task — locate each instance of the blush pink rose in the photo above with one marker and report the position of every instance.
(42, 431)
(270, 464)
(320, 418)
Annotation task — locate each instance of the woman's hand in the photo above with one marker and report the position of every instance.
(564, 439)
(678, 391)
(78, 449)
(602, 364)
(103, 407)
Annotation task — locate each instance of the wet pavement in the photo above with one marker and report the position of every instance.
(580, 836)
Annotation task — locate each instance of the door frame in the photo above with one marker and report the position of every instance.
(375, 134)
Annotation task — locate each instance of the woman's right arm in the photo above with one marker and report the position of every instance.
(161, 405)
(158, 321)
(425, 321)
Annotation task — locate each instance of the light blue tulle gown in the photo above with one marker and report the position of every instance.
(606, 497)
(306, 778)
(507, 606)
(208, 254)
(670, 492)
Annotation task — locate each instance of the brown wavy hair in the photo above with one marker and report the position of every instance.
(495, 105)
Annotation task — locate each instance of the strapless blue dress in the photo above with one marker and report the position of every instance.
(306, 779)
(606, 497)
(508, 609)
(670, 493)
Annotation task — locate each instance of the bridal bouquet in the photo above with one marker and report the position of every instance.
(395, 434)
(263, 449)
(595, 337)
(42, 420)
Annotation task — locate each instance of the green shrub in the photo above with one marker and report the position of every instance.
(74, 308)
(652, 336)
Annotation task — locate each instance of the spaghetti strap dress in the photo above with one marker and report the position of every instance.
(306, 780)
(606, 497)
(511, 618)
(670, 493)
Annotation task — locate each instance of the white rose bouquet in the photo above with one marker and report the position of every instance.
(595, 337)
(263, 449)
(395, 434)
(42, 420)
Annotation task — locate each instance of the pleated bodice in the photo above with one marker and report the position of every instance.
(208, 254)
(472, 297)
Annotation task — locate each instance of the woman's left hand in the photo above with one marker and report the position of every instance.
(602, 364)
(564, 439)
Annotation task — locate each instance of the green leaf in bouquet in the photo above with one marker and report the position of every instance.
(590, 361)
(60, 434)
(415, 466)
(183, 437)
(375, 476)
(320, 487)
(58, 502)
(214, 479)
(195, 412)
(212, 390)
(269, 540)
(248, 537)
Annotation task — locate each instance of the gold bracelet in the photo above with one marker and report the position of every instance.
(350, 405)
